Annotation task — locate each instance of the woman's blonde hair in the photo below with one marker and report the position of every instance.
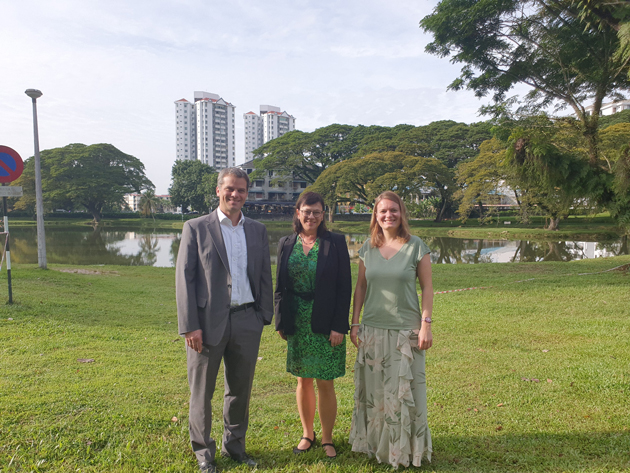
(377, 238)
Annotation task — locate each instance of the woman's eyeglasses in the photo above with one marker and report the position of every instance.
(312, 213)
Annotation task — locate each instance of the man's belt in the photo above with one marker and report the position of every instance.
(238, 308)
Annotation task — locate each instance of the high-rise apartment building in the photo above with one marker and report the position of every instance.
(205, 130)
(186, 143)
(270, 124)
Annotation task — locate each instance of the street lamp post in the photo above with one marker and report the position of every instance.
(34, 94)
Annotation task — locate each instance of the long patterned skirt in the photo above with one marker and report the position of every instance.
(389, 419)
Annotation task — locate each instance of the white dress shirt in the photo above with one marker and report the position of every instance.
(236, 248)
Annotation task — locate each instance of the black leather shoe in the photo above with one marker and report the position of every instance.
(242, 458)
(207, 467)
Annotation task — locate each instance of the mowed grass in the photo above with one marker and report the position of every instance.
(530, 376)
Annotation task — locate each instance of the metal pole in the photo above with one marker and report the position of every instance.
(6, 229)
(41, 235)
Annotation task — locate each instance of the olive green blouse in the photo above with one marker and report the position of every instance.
(391, 300)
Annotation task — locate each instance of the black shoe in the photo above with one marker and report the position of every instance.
(297, 450)
(242, 458)
(207, 467)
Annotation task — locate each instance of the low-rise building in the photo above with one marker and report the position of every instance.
(273, 188)
(611, 107)
(133, 201)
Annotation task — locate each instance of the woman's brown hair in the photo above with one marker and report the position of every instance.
(377, 238)
(309, 198)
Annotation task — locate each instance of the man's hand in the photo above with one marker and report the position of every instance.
(194, 340)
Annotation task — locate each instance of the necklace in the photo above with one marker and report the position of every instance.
(309, 243)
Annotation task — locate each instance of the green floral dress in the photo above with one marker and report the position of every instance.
(309, 355)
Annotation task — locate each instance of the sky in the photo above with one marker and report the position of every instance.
(110, 71)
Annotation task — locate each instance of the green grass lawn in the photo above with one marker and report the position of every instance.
(530, 376)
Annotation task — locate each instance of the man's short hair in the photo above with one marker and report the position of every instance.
(236, 172)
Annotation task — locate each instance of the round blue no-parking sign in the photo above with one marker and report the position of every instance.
(11, 164)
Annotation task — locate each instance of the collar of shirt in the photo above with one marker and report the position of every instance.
(225, 220)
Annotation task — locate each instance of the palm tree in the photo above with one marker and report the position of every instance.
(149, 203)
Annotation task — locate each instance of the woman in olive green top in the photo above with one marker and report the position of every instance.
(389, 420)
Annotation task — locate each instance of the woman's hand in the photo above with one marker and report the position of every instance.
(335, 338)
(354, 331)
(425, 337)
(281, 333)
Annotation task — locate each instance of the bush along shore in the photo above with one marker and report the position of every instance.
(529, 372)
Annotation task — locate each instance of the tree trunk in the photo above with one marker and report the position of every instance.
(441, 212)
(554, 223)
(624, 249)
(95, 211)
(331, 214)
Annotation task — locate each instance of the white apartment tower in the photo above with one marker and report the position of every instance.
(205, 130)
(270, 124)
(186, 142)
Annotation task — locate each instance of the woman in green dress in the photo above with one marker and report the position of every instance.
(312, 299)
(389, 419)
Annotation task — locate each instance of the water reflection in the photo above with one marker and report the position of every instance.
(456, 250)
(94, 246)
(79, 245)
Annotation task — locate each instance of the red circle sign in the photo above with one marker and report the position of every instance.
(11, 164)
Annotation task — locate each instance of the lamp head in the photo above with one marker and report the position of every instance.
(33, 93)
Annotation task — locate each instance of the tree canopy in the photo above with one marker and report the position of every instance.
(93, 177)
(306, 155)
(189, 186)
(359, 180)
(544, 44)
(480, 179)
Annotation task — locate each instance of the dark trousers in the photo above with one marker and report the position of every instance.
(239, 350)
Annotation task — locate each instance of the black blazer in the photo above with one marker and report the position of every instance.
(333, 286)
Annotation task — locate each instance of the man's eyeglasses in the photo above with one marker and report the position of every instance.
(312, 213)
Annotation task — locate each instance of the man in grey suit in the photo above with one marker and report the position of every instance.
(224, 298)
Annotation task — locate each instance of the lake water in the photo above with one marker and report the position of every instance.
(81, 246)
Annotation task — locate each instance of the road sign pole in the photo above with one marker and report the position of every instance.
(6, 229)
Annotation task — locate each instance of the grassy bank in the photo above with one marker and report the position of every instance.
(578, 228)
(140, 223)
(528, 376)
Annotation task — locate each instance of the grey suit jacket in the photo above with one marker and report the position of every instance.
(203, 281)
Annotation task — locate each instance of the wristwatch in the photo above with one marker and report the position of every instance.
(427, 320)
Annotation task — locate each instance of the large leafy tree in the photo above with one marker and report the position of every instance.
(359, 180)
(308, 156)
(348, 181)
(481, 178)
(93, 177)
(614, 14)
(449, 141)
(305, 155)
(188, 186)
(547, 160)
(615, 146)
(545, 44)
